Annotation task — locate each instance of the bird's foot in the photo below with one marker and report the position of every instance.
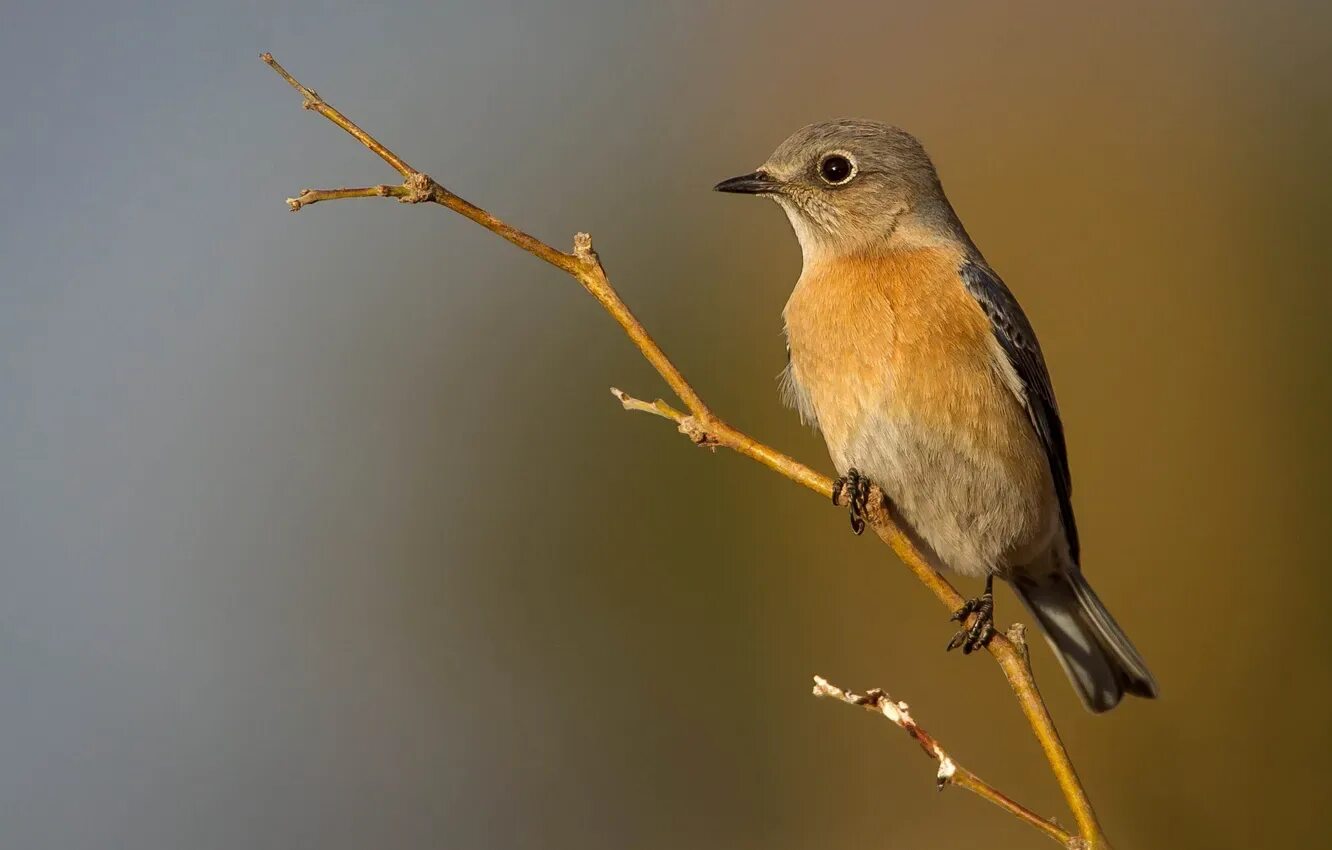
(856, 490)
(978, 634)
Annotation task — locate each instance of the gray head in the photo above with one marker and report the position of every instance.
(852, 186)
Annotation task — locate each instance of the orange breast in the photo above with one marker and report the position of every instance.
(898, 335)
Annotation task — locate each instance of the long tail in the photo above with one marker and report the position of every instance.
(1096, 654)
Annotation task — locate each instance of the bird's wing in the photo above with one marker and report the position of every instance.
(1015, 334)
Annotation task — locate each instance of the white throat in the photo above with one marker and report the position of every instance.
(813, 241)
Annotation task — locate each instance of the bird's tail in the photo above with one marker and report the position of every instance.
(1094, 651)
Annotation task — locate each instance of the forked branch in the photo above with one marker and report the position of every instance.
(705, 428)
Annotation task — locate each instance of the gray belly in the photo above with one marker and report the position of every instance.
(977, 511)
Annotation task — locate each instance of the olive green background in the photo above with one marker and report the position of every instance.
(322, 531)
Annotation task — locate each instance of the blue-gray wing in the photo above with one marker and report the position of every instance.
(1014, 333)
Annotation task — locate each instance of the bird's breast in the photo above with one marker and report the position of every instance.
(897, 340)
(900, 368)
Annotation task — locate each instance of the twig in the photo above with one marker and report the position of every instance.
(950, 772)
(706, 428)
(314, 196)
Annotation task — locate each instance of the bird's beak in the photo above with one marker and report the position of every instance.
(758, 183)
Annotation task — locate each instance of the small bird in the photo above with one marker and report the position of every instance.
(916, 363)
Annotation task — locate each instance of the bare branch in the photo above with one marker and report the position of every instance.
(687, 424)
(315, 102)
(704, 427)
(314, 196)
(950, 772)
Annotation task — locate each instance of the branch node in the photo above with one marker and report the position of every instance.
(694, 430)
(583, 247)
(876, 508)
(420, 188)
(946, 770)
(585, 254)
(310, 98)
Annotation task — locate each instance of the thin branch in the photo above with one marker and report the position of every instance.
(315, 102)
(705, 428)
(950, 772)
(314, 196)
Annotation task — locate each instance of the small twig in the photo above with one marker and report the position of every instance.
(315, 102)
(685, 423)
(950, 772)
(314, 196)
(658, 407)
(705, 428)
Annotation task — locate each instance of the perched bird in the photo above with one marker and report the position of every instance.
(914, 360)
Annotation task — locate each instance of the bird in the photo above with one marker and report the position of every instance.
(910, 355)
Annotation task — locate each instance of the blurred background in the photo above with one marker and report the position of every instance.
(322, 531)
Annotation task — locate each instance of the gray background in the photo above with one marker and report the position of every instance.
(321, 530)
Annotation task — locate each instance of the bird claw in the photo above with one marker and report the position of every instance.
(979, 633)
(856, 488)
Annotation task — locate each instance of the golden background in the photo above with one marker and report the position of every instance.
(323, 531)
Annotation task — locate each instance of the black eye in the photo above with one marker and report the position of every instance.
(836, 169)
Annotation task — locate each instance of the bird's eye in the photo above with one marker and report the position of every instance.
(837, 169)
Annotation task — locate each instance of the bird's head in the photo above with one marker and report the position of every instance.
(849, 186)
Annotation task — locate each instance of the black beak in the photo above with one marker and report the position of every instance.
(758, 183)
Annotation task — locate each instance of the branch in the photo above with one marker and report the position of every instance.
(314, 196)
(704, 427)
(950, 772)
